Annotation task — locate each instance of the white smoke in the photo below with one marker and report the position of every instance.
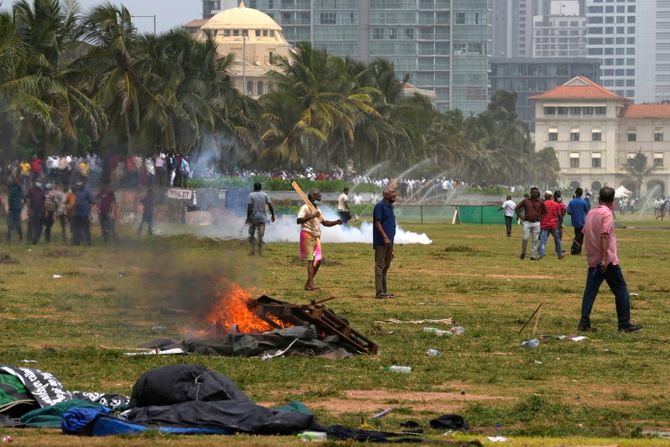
(285, 229)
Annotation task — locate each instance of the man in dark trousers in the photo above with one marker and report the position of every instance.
(82, 214)
(383, 234)
(601, 254)
(107, 212)
(36, 199)
(147, 212)
(578, 208)
(533, 210)
(257, 217)
(14, 207)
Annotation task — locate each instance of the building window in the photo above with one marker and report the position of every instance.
(236, 32)
(393, 33)
(632, 136)
(596, 135)
(562, 110)
(601, 110)
(574, 134)
(377, 33)
(595, 159)
(587, 110)
(327, 18)
(553, 134)
(550, 110)
(658, 135)
(575, 110)
(658, 159)
(574, 159)
(258, 33)
(409, 33)
(460, 18)
(250, 87)
(271, 57)
(259, 88)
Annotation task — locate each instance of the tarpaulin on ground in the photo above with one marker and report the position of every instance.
(47, 390)
(50, 417)
(302, 340)
(14, 396)
(192, 396)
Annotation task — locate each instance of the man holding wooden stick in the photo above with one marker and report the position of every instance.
(309, 219)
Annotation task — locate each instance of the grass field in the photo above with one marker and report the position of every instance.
(602, 391)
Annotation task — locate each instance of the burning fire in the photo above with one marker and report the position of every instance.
(232, 311)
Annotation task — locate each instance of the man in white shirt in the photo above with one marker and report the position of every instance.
(508, 206)
(310, 236)
(343, 206)
(358, 199)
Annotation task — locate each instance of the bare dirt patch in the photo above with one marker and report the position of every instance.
(354, 401)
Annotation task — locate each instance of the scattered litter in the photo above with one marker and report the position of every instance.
(399, 369)
(394, 321)
(497, 438)
(532, 343)
(381, 414)
(457, 330)
(537, 362)
(313, 436)
(433, 353)
(279, 353)
(58, 276)
(157, 328)
(29, 361)
(174, 351)
(633, 294)
(7, 439)
(572, 337)
(462, 392)
(451, 422)
(435, 331)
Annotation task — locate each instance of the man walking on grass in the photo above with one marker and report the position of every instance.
(257, 217)
(601, 254)
(383, 234)
(578, 208)
(508, 206)
(533, 210)
(550, 225)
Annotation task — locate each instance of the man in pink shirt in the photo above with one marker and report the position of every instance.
(601, 254)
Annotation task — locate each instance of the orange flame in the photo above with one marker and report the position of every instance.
(232, 308)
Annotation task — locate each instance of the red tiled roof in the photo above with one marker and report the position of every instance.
(197, 23)
(646, 111)
(578, 88)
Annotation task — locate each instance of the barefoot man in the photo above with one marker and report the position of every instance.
(310, 236)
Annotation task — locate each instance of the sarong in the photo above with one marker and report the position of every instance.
(310, 247)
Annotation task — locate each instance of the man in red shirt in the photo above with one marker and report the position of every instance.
(549, 225)
(533, 209)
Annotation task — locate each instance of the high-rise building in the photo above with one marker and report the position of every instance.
(211, 7)
(530, 77)
(443, 45)
(561, 35)
(611, 34)
(652, 51)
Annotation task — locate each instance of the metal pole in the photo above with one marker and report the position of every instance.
(154, 24)
(421, 207)
(244, 61)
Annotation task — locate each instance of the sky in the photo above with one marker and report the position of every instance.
(169, 13)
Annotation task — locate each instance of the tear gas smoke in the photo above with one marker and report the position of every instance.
(285, 229)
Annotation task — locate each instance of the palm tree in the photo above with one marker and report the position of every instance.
(638, 170)
(109, 29)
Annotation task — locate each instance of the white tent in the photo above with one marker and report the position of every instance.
(622, 192)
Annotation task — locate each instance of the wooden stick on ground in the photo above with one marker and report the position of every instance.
(530, 318)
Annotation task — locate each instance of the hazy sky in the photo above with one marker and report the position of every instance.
(169, 13)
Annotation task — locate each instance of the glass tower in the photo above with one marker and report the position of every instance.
(443, 45)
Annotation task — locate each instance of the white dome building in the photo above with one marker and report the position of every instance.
(255, 39)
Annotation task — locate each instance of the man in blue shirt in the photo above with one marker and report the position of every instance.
(577, 209)
(382, 240)
(257, 217)
(82, 214)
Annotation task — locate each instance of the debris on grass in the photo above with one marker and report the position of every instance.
(5, 258)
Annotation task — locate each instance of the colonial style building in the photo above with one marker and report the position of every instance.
(594, 132)
(255, 40)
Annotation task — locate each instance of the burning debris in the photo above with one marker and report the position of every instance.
(240, 325)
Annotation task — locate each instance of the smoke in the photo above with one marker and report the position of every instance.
(285, 229)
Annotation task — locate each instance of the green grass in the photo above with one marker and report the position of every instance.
(110, 299)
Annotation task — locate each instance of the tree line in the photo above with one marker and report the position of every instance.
(72, 82)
